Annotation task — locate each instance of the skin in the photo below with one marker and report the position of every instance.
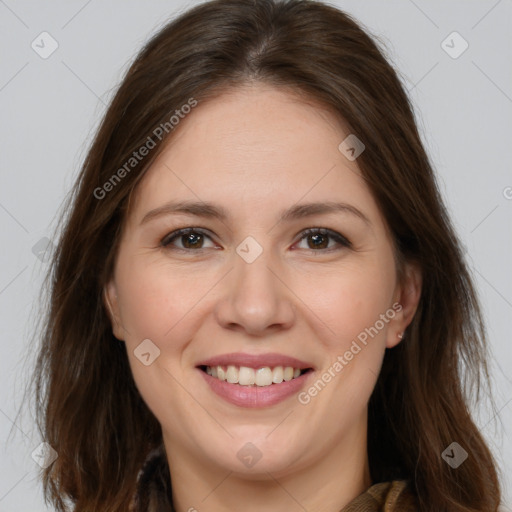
(255, 152)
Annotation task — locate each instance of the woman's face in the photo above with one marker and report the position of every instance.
(249, 293)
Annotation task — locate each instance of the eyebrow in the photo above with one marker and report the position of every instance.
(210, 210)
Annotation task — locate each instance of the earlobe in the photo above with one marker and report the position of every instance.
(111, 303)
(408, 295)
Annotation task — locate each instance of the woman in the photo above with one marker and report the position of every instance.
(258, 300)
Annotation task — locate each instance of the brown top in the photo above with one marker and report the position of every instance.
(395, 496)
(154, 491)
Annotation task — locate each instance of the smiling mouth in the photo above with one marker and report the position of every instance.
(254, 377)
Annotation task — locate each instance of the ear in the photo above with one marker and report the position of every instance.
(112, 304)
(406, 298)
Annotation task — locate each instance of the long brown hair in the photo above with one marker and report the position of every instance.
(87, 405)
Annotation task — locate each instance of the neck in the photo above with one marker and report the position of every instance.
(326, 483)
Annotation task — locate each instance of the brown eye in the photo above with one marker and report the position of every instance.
(318, 241)
(321, 238)
(188, 238)
(192, 240)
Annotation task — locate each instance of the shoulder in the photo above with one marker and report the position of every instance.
(395, 496)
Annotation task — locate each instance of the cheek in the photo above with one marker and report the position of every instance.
(348, 300)
(158, 303)
(156, 298)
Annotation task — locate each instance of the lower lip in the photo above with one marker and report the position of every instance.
(255, 396)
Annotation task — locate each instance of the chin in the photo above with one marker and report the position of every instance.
(254, 456)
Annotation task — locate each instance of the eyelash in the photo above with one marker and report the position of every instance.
(340, 239)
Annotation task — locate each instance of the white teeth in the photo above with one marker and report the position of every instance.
(288, 373)
(277, 375)
(221, 374)
(263, 376)
(232, 374)
(246, 376)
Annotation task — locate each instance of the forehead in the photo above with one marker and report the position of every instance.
(258, 146)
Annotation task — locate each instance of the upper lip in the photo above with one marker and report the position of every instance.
(255, 360)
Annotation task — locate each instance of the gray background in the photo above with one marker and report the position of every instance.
(50, 108)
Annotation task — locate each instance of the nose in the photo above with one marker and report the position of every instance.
(254, 299)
